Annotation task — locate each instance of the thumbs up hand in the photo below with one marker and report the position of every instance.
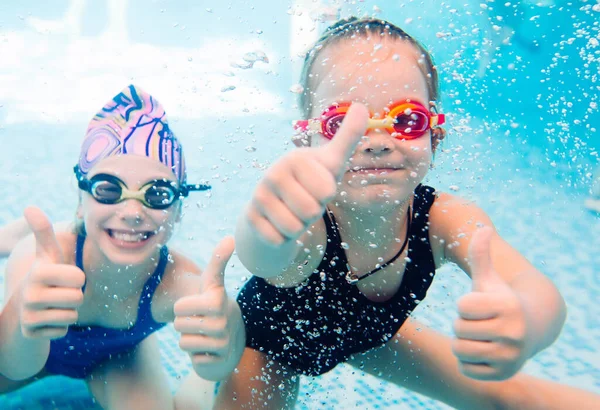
(208, 319)
(492, 331)
(51, 292)
(295, 191)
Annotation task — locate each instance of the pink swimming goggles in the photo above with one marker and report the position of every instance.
(404, 120)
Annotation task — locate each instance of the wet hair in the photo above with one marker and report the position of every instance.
(353, 27)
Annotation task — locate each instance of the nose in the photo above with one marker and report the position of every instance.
(377, 142)
(131, 211)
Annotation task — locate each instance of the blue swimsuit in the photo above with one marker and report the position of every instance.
(85, 347)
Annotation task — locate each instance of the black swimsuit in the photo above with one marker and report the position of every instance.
(323, 321)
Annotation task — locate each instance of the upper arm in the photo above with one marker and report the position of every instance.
(19, 263)
(11, 234)
(136, 380)
(454, 221)
(181, 278)
(258, 383)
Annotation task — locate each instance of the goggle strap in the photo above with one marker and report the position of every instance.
(184, 190)
(84, 185)
(441, 119)
(78, 173)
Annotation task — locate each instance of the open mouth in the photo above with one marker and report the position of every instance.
(130, 236)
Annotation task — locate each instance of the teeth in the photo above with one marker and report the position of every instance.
(130, 237)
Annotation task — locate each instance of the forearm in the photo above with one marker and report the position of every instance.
(262, 259)
(20, 357)
(544, 308)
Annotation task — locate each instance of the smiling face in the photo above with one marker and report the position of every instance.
(129, 233)
(375, 72)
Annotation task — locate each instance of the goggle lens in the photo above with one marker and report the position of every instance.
(411, 122)
(160, 196)
(106, 192)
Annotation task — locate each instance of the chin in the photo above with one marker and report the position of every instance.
(376, 196)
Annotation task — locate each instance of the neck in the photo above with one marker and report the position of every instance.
(371, 230)
(112, 280)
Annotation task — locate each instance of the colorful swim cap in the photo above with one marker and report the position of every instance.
(132, 123)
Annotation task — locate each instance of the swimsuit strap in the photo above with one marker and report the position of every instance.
(353, 278)
(144, 306)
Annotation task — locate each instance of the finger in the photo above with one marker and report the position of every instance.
(300, 202)
(214, 274)
(336, 153)
(212, 327)
(482, 270)
(47, 247)
(67, 276)
(49, 317)
(55, 298)
(202, 359)
(479, 306)
(317, 181)
(474, 352)
(483, 330)
(483, 372)
(201, 305)
(47, 332)
(278, 214)
(195, 344)
(267, 232)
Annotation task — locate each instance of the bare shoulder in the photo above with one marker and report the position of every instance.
(313, 244)
(453, 212)
(452, 220)
(180, 273)
(181, 278)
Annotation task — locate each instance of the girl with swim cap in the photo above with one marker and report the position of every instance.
(85, 302)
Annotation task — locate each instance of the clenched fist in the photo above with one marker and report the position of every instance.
(295, 191)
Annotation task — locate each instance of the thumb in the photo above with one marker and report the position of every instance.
(482, 269)
(336, 153)
(214, 274)
(46, 245)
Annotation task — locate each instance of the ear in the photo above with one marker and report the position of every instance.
(179, 212)
(302, 140)
(79, 210)
(437, 135)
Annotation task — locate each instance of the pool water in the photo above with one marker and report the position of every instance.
(518, 149)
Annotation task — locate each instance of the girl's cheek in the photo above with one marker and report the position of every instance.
(165, 219)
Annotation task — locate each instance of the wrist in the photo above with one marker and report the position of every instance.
(21, 357)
